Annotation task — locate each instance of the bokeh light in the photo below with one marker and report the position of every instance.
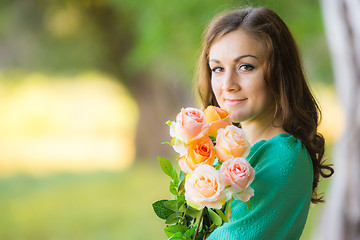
(74, 123)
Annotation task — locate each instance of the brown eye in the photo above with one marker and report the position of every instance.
(246, 67)
(217, 69)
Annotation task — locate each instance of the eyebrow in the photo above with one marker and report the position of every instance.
(235, 59)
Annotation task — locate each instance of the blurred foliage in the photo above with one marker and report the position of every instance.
(158, 37)
(151, 47)
(93, 206)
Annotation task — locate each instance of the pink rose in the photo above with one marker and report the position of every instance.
(239, 174)
(205, 188)
(199, 151)
(231, 143)
(190, 123)
(216, 118)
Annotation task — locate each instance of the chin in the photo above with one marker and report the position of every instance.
(236, 119)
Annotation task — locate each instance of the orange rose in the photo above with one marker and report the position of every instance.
(216, 118)
(200, 151)
(190, 123)
(231, 143)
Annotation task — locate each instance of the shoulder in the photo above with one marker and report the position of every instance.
(282, 144)
(283, 178)
(283, 160)
(283, 151)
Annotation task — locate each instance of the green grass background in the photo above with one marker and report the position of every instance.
(101, 205)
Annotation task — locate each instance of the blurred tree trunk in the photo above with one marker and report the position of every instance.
(341, 215)
(159, 101)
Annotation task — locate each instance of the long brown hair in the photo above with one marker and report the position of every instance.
(295, 106)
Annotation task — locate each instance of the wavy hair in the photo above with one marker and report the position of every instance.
(296, 109)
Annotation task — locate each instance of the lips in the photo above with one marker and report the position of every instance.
(232, 102)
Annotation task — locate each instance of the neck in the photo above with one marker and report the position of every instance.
(260, 130)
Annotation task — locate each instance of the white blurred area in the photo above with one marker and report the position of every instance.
(54, 123)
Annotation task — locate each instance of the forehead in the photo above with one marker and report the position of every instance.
(237, 43)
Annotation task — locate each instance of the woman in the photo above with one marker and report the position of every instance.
(250, 66)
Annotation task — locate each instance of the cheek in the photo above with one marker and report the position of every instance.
(259, 89)
(216, 88)
(265, 94)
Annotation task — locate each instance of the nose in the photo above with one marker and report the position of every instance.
(231, 82)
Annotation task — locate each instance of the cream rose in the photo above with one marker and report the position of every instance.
(199, 151)
(239, 174)
(231, 143)
(216, 118)
(205, 188)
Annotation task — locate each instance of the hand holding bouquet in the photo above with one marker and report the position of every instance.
(213, 173)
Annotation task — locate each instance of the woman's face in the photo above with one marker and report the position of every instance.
(237, 62)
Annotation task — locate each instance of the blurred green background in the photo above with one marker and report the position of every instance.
(85, 89)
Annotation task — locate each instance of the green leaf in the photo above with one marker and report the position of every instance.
(181, 200)
(176, 204)
(193, 212)
(248, 204)
(176, 236)
(181, 187)
(190, 232)
(173, 229)
(175, 178)
(183, 208)
(166, 143)
(181, 177)
(215, 218)
(173, 189)
(166, 166)
(173, 218)
(160, 209)
(212, 228)
(200, 235)
(172, 205)
(228, 208)
(222, 215)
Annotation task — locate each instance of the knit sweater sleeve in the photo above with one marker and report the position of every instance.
(283, 188)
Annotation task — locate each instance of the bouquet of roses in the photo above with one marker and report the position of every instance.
(213, 173)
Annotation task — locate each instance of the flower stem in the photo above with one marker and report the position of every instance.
(200, 218)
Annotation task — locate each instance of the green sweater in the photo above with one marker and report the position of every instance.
(283, 188)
